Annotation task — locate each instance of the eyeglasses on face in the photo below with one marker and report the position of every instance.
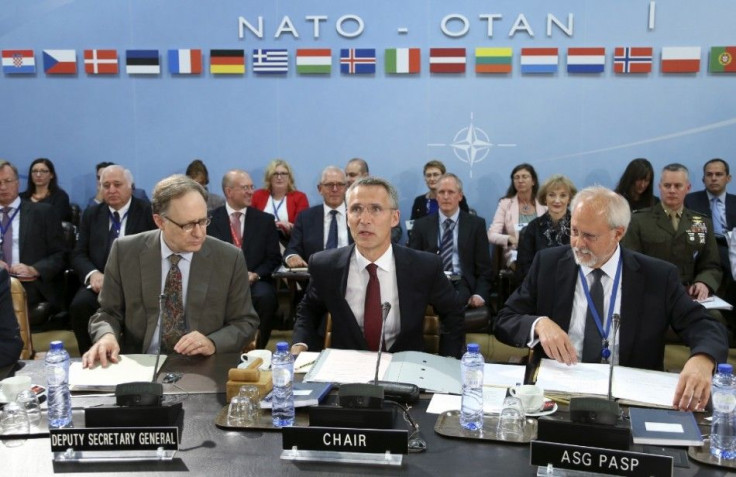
(333, 185)
(243, 187)
(40, 172)
(281, 174)
(189, 226)
(7, 182)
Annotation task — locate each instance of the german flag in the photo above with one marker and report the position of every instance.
(227, 62)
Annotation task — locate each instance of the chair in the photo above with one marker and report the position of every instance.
(430, 330)
(76, 214)
(20, 306)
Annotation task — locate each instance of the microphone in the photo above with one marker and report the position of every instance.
(616, 323)
(161, 299)
(385, 308)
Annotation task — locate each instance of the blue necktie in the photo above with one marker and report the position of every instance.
(715, 208)
(446, 245)
(332, 235)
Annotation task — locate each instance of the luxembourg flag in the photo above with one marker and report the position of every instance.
(539, 60)
(19, 62)
(586, 60)
(185, 62)
(60, 62)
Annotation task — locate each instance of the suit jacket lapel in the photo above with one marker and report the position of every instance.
(344, 309)
(567, 275)
(631, 294)
(463, 238)
(149, 262)
(25, 217)
(404, 283)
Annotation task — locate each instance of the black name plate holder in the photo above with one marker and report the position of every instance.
(355, 446)
(599, 461)
(114, 444)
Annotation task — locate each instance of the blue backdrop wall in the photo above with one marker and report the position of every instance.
(588, 126)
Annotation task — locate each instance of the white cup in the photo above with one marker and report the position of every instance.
(10, 387)
(247, 358)
(532, 397)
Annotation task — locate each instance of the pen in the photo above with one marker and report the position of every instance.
(305, 365)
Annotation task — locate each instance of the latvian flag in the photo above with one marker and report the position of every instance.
(142, 62)
(539, 60)
(101, 62)
(722, 59)
(447, 60)
(227, 62)
(632, 59)
(267, 61)
(60, 62)
(680, 59)
(185, 62)
(586, 60)
(19, 62)
(358, 61)
(493, 60)
(313, 61)
(402, 60)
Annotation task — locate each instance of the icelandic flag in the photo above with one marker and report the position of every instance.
(539, 60)
(18, 62)
(586, 60)
(185, 62)
(60, 62)
(358, 61)
(142, 62)
(270, 61)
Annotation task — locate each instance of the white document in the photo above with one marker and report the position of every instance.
(644, 386)
(581, 378)
(129, 368)
(715, 303)
(347, 366)
(305, 361)
(492, 401)
(503, 375)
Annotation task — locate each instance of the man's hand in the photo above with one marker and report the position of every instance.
(195, 343)
(23, 270)
(106, 348)
(693, 387)
(297, 348)
(513, 240)
(285, 226)
(252, 277)
(555, 342)
(476, 301)
(698, 291)
(95, 281)
(295, 261)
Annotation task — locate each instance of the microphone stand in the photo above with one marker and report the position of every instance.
(161, 298)
(616, 323)
(385, 308)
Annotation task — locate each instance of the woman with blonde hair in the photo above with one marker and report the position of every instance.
(279, 196)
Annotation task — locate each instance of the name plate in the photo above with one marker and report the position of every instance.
(602, 461)
(115, 438)
(368, 441)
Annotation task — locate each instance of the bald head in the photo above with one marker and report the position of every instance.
(238, 188)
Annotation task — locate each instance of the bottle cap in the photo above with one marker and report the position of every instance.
(56, 345)
(282, 346)
(473, 347)
(725, 368)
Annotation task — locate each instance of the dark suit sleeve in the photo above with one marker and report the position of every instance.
(417, 240)
(482, 262)
(309, 315)
(272, 259)
(52, 263)
(708, 262)
(60, 202)
(527, 248)
(296, 242)
(81, 260)
(11, 343)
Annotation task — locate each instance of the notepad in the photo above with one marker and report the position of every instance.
(129, 368)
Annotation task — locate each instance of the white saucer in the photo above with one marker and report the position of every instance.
(542, 413)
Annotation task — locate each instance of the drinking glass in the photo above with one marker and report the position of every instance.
(14, 421)
(512, 419)
(245, 408)
(29, 401)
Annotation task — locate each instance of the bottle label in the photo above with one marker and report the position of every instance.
(724, 401)
(281, 377)
(55, 375)
(474, 378)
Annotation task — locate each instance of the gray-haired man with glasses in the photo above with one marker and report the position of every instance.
(191, 286)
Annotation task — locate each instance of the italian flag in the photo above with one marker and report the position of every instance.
(402, 60)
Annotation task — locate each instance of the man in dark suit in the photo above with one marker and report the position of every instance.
(32, 242)
(11, 344)
(554, 305)
(352, 282)
(191, 287)
(255, 233)
(119, 215)
(323, 226)
(468, 254)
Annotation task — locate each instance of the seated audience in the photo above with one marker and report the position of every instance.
(280, 198)
(515, 210)
(43, 186)
(198, 172)
(255, 233)
(637, 184)
(552, 229)
(598, 275)
(11, 343)
(459, 238)
(351, 283)
(426, 204)
(193, 287)
(119, 215)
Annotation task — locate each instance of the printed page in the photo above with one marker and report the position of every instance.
(130, 368)
(347, 366)
(503, 375)
(581, 378)
(643, 386)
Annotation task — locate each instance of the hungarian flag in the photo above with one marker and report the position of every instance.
(60, 62)
(101, 62)
(142, 62)
(311, 61)
(722, 59)
(493, 60)
(227, 62)
(402, 60)
(632, 59)
(19, 62)
(539, 60)
(586, 60)
(680, 59)
(185, 62)
(358, 61)
(447, 60)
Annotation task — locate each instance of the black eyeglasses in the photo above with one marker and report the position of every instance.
(189, 226)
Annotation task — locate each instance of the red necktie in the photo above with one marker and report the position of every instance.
(372, 310)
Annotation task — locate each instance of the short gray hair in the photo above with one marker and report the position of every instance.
(114, 167)
(607, 202)
(676, 167)
(329, 169)
(450, 175)
(371, 181)
(172, 188)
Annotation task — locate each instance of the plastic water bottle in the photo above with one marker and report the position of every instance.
(57, 386)
(471, 407)
(722, 431)
(282, 403)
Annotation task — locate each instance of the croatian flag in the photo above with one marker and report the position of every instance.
(586, 60)
(539, 60)
(18, 62)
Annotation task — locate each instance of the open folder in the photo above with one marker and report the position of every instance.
(129, 368)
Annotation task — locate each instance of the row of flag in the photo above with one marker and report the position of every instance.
(491, 60)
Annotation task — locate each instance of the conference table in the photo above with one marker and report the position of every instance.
(208, 450)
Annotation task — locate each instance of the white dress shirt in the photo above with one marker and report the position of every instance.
(230, 211)
(342, 224)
